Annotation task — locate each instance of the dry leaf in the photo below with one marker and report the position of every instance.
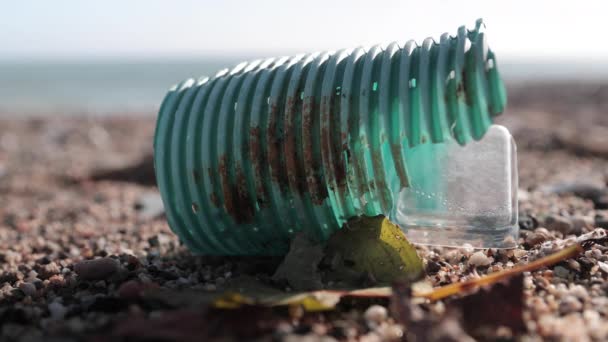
(299, 268)
(373, 247)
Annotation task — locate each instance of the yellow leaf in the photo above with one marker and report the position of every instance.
(231, 300)
(375, 247)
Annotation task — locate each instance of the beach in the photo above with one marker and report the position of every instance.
(76, 187)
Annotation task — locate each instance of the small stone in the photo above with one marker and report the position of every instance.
(467, 248)
(375, 315)
(100, 284)
(57, 310)
(32, 275)
(523, 195)
(131, 289)
(49, 270)
(153, 241)
(210, 287)
(57, 281)
(602, 201)
(519, 253)
(558, 223)
(6, 289)
(479, 259)
(527, 222)
(76, 324)
(570, 304)
(537, 237)
(561, 272)
(149, 206)
(581, 223)
(603, 266)
(183, 281)
(432, 267)
(28, 289)
(8, 277)
(390, 332)
(574, 265)
(96, 269)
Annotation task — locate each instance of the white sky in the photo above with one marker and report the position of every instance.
(122, 28)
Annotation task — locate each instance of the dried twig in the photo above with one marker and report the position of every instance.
(452, 289)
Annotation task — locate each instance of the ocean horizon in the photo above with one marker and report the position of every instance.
(101, 87)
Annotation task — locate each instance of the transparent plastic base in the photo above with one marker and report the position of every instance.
(461, 194)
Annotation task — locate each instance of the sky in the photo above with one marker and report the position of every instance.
(183, 28)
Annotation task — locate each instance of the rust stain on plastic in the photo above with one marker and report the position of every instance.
(312, 167)
(294, 177)
(237, 202)
(255, 149)
(244, 205)
(332, 153)
(196, 176)
(399, 167)
(275, 144)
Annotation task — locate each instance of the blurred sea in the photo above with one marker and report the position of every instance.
(100, 87)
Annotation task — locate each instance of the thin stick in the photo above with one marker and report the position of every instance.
(448, 290)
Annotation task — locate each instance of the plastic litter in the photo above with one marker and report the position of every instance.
(248, 158)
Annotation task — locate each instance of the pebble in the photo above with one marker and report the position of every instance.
(57, 281)
(479, 259)
(210, 287)
(537, 237)
(432, 267)
(57, 310)
(390, 332)
(527, 222)
(150, 206)
(523, 195)
(49, 270)
(603, 266)
(580, 223)
(570, 304)
(561, 272)
(153, 241)
(375, 315)
(131, 289)
(558, 223)
(574, 265)
(96, 269)
(28, 289)
(32, 275)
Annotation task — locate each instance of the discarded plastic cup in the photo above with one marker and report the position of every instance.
(254, 155)
(461, 194)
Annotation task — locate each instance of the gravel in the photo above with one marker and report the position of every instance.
(478, 259)
(375, 315)
(80, 258)
(96, 269)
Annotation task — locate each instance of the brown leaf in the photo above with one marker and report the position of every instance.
(500, 305)
(245, 322)
(422, 325)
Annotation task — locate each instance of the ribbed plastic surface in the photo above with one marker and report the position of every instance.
(246, 159)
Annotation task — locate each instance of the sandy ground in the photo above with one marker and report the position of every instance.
(50, 223)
